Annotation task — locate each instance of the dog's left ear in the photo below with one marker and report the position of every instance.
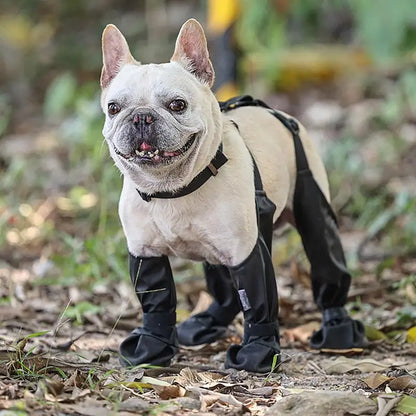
(191, 51)
(116, 53)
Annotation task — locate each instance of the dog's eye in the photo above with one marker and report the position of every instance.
(113, 108)
(177, 105)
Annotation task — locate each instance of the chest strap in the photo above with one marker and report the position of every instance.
(211, 170)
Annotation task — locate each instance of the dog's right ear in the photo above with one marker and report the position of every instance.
(191, 52)
(116, 53)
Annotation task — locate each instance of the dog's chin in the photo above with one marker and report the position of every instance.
(156, 157)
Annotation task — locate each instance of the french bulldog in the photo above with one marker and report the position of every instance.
(164, 129)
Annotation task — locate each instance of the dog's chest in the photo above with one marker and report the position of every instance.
(181, 238)
(158, 229)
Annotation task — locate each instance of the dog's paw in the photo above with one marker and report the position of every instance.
(143, 347)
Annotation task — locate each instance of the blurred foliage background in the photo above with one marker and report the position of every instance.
(346, 68)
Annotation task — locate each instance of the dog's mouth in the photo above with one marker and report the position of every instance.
(150, 154)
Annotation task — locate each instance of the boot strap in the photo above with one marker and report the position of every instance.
(261, 330)
(160, 320)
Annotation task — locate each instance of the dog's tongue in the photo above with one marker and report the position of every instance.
(145, 147)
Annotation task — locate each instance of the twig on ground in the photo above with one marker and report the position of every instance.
(384, 406)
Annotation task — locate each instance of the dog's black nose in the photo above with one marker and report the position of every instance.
(143, 118)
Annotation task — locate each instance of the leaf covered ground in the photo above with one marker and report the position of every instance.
(59, 356)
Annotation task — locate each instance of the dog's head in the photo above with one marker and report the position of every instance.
(163, 123)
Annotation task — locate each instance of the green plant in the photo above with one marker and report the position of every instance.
(275, 365)
(384, 30)
(78, 311)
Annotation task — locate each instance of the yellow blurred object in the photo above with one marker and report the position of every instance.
(16, 30)
(221, 14)
(226, 91)
(313, 65)
(21, 33)
(411, 335)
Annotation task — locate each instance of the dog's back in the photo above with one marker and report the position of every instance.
(271, 145)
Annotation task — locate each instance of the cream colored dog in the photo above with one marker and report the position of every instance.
(165, 129)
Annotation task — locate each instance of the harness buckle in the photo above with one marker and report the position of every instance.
(294, 125)
(213, 169)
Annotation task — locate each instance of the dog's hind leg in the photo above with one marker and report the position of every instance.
(211, 325)
(256, 284)
(317, 226)
(156, 341)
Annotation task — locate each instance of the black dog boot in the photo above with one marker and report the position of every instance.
(317, 226)
(257, 289)
(338, 331)
(156, 342)
(211, 325)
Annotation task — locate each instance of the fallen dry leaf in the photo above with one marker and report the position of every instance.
(348, 351)
(403, 383)
(301, 333)
(191, 377)
(203, 303)
(344, 365)
(208, 398)
(76, 379)
(78, 393)
(376, 380)
(169, 392)
(54, 386)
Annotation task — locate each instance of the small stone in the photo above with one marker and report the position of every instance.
(323, 403)
(135, 404)
(188, 403)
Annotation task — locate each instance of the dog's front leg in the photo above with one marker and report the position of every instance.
(156, 341)
(211, 324)
(256, 284)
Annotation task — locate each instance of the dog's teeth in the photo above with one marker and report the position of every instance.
(156, 151)
(141, 153)
(137, 152)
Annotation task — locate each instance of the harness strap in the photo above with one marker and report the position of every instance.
(265, 208)
(302, 166)
(290, 123)
(211, 170)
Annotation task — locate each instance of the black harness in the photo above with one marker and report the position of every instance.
(220, 159)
